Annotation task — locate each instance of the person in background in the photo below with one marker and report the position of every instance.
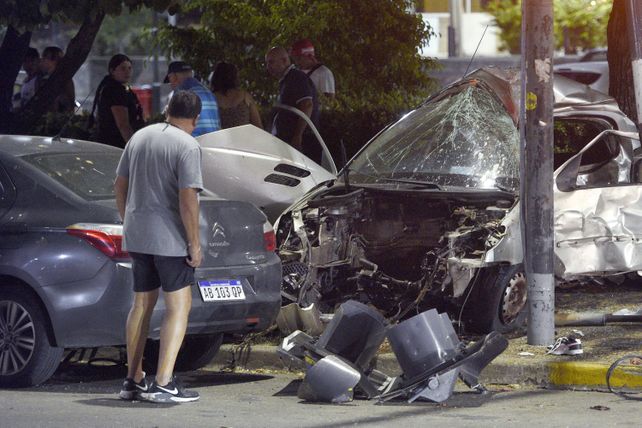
(302, 53)
(180, 76)
(295, 90)
(31, 66)
(157, 185)
(66, 101)
(119, 112)
(236, 106)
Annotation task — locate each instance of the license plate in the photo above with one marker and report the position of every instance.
(218, 290)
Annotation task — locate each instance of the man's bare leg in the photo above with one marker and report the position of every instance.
(137, 330)
(178, 304)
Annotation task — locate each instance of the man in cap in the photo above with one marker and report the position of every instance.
(295, 90)
(180, 76)
(302, 53)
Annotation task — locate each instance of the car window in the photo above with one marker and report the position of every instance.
(89, 175)
(572, 134)
(7, 191)
(606, 163)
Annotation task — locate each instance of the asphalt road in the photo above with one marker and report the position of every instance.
(85, 396)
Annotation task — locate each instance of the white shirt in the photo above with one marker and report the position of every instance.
(323, 79)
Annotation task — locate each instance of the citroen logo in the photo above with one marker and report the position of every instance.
(218, 238)
(218, 231)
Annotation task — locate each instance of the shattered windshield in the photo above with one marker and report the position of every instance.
(465, 138)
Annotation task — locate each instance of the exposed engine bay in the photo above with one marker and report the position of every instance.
(400, 250)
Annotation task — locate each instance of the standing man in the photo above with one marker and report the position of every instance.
(180, 76)
(31, 66)
(66, 101)
(295, 90)
(302, 53)
(159, 177)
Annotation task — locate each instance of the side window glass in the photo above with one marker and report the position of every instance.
(608, 161)
(572, 134)
(7, 191)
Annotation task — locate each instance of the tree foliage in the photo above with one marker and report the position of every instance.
(578, 24)
(371, 47)
(23, 16)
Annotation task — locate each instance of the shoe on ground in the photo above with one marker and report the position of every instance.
(173, 392)
(132, 390)
(570, 345)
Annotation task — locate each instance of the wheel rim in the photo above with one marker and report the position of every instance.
(17, 337)
(514, 298)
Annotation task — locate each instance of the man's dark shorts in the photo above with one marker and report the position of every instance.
(151, 272)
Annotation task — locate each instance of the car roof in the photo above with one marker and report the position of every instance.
(24, 145)
(566, 91)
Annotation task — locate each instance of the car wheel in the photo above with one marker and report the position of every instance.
(26, 356)
(498, 301)
(196, 352)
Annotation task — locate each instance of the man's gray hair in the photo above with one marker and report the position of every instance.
(184, 105)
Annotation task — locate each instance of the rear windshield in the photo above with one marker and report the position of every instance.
(89, 175)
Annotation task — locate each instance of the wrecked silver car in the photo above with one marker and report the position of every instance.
(426, 215)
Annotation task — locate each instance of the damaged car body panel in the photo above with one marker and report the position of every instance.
(598, 214)
(427, 213)
(248, 164)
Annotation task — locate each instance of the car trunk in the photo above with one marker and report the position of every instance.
(231, 233)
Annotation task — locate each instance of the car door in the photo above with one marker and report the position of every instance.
(598, 208)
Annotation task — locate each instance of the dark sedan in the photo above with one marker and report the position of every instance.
(65, 281)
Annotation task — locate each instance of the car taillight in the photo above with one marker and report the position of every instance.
(269, 238)
(108, 238)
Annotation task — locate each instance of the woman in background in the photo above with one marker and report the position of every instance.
(235, 106)
(119, 112)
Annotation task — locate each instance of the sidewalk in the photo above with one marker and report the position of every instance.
(530, 365)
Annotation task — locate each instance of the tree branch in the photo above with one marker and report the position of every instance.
(75, 55)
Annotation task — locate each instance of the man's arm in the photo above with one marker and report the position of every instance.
(120, 188)
(306, 106)
(188, 202)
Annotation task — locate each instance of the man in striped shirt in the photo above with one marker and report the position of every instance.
(181, 77)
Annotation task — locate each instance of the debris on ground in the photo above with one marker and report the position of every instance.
(339, 362)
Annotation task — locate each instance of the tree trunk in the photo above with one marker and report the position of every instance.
(75, 55)
(13, 49)
(619, 57)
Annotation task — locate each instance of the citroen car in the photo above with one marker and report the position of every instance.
(65, 281)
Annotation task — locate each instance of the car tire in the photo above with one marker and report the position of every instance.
(196, 352)
(26, 356)
(498, 301)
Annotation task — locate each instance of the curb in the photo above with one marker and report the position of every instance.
(554, 374)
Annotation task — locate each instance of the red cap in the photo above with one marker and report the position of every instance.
(303, 47)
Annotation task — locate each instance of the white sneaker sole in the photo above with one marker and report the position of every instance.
(165, 397)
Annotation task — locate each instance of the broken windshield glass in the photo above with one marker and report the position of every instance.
(465, 138)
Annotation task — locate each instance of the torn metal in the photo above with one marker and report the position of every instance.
(427, 214)
(339, 363)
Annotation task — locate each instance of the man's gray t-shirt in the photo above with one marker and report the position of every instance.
(159, 160)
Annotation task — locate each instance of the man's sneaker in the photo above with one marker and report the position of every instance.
(131, 390)
(570, 345)
(173, 392)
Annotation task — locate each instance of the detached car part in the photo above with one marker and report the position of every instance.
(340, 362)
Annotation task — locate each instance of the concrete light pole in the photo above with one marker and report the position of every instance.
(454, 28)
(536, 184)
